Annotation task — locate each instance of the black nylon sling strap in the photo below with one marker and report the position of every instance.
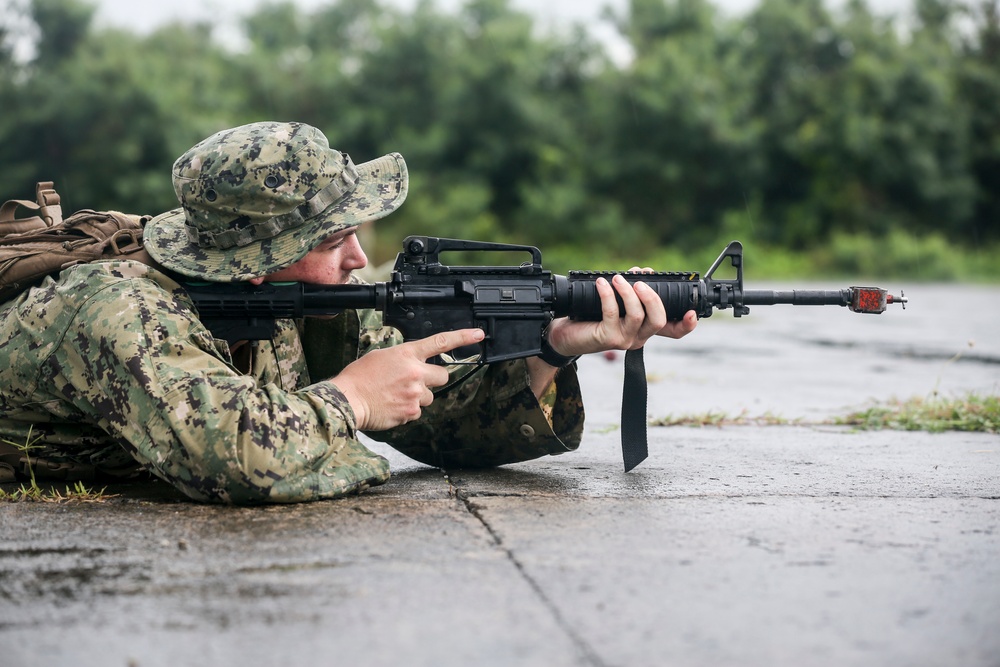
(634, 445)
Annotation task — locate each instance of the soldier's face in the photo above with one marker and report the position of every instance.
(329, 263)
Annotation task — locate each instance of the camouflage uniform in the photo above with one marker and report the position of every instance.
(110, 367)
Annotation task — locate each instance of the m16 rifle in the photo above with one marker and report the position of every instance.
(512, 304)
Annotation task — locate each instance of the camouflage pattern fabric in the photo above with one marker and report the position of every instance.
(257, 198)
(109, 366)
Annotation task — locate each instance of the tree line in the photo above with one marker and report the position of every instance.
(791, 125)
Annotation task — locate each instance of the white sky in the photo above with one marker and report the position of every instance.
(558, 14)
(145, 15)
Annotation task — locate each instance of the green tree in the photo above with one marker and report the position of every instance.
(677, 144)
(63, 25)
(789, 125)
(863, 131)
(979, 90)
(104, 114)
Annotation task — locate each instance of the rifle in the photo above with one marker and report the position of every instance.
(512, 304)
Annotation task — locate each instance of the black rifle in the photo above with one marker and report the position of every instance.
(512, 304)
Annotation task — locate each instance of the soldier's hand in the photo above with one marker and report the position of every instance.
(677, 329)
(389, 387)
(644, 318)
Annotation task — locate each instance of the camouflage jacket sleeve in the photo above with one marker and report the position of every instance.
(120, 346)
(485, 416)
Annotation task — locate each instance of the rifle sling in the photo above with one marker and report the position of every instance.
(634, 445)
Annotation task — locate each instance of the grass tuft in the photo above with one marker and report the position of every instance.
(77, 493)
(33, 492)
(720, 419)
(935, 414)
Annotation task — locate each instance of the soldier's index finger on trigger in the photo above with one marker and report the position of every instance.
(446, 341)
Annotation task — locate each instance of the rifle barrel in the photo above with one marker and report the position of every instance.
(797, 297)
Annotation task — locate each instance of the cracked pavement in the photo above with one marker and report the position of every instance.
(745, 545)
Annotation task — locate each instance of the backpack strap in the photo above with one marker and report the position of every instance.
(47, 205)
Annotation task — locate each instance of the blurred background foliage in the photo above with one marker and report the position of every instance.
(828, 142)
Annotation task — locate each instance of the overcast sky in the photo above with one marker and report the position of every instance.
(144, 15)
(550, 14)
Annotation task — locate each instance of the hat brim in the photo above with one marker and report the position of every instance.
(381, 189)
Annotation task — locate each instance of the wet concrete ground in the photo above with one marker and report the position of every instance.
(747, 545)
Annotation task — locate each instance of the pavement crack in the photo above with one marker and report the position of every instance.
(589, 655)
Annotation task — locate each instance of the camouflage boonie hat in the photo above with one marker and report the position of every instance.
(257, 198)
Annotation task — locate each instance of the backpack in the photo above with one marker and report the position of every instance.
(44, 244)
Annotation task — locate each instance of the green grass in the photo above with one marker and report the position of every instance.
(935, 414)
(77, 493)
(34, 492)
(719, 419)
